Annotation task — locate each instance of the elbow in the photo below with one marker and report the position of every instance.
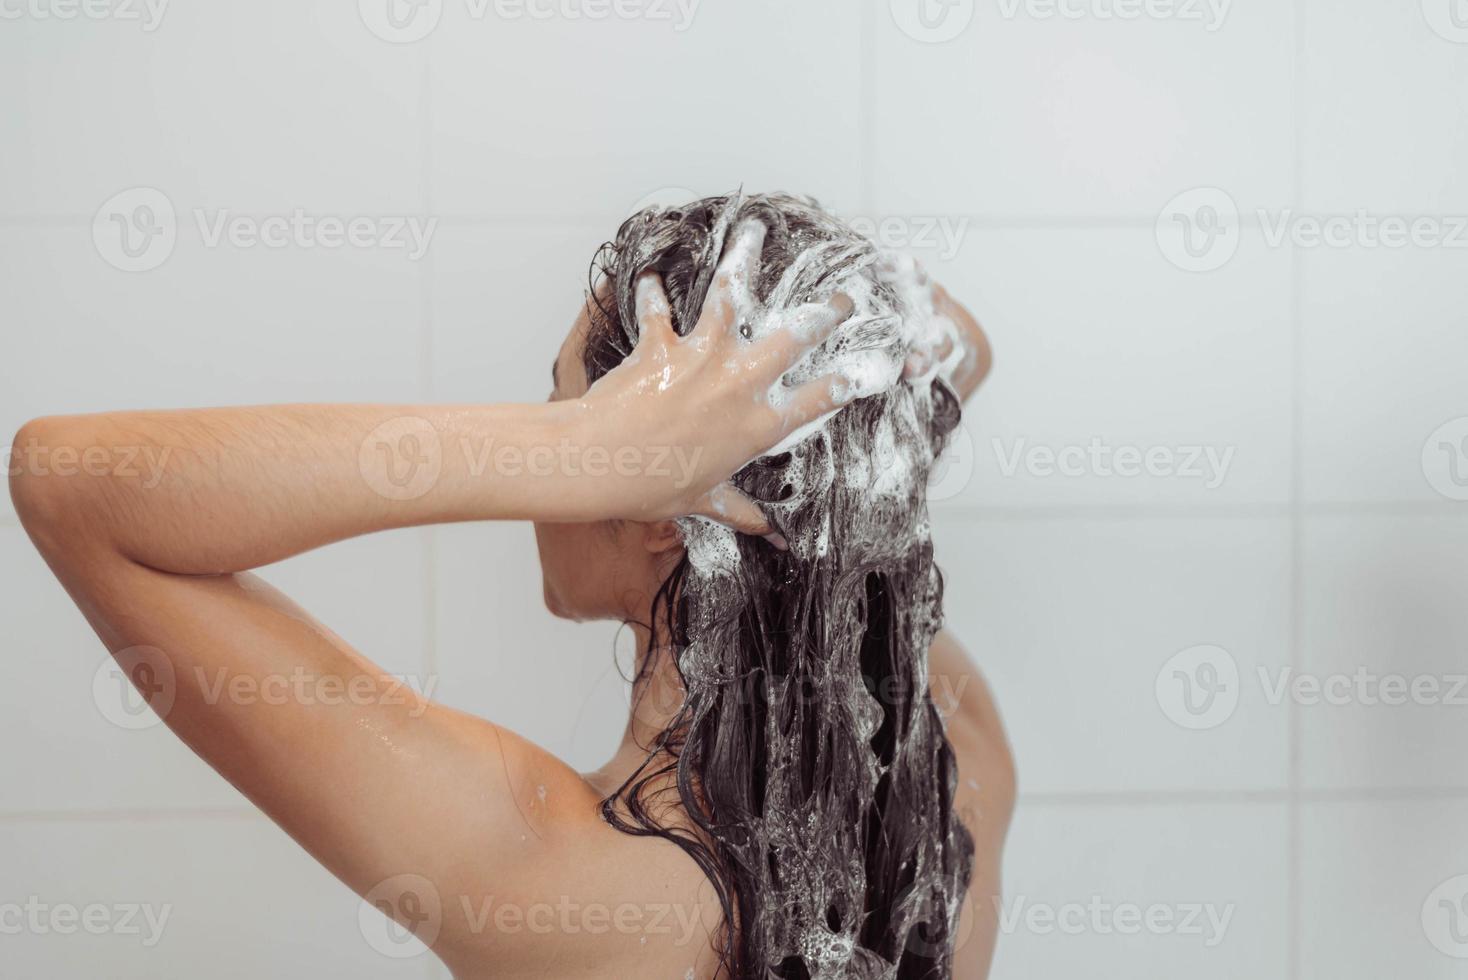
(30, 491)
(43, 490)
(980, 360)
(984, 356)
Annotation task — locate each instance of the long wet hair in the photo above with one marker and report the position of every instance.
(809, 758)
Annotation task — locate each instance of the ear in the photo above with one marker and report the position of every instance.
(661, 537)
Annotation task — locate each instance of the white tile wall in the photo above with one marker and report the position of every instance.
(503, 656)
(1382, 126)
(1195, 890)
(1380, 330)
(563, 118)
(369, 590)
(1027, 159)
(272, 106)
(1383, 610)
(209, 326)
(504, 299)
(1383, 887)
(219, 896)
(1073, 620)
(1102, 345)
(65, 754)
(1025, 115)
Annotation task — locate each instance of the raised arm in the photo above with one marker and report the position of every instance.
(978, 358)
(373, 781)
(237, 488)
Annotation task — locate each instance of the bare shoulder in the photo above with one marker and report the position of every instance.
(583, 899)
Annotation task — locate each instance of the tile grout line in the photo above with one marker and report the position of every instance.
(1189, 511)
(1284, 795)
(427, 536)
(866, 84)
(1295, 823)
(985, 221)
(425, 265)
(135, 814)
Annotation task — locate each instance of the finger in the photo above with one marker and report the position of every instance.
(796, 333)
(732, 297)
(812, 400)
(654, 314)
(812, 323)
(741, 257)
(928, 356)
(732, 508)
(946, 341)
(916, 365)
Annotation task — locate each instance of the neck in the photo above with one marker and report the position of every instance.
(657, 697)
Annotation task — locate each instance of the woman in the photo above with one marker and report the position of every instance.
(786, 801)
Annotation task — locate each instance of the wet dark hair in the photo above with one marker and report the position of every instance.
(809, 758)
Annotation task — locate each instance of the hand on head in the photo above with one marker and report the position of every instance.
(715, 395)
(947, 341)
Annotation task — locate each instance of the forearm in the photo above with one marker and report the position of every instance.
(978, 356)
(224, 490)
